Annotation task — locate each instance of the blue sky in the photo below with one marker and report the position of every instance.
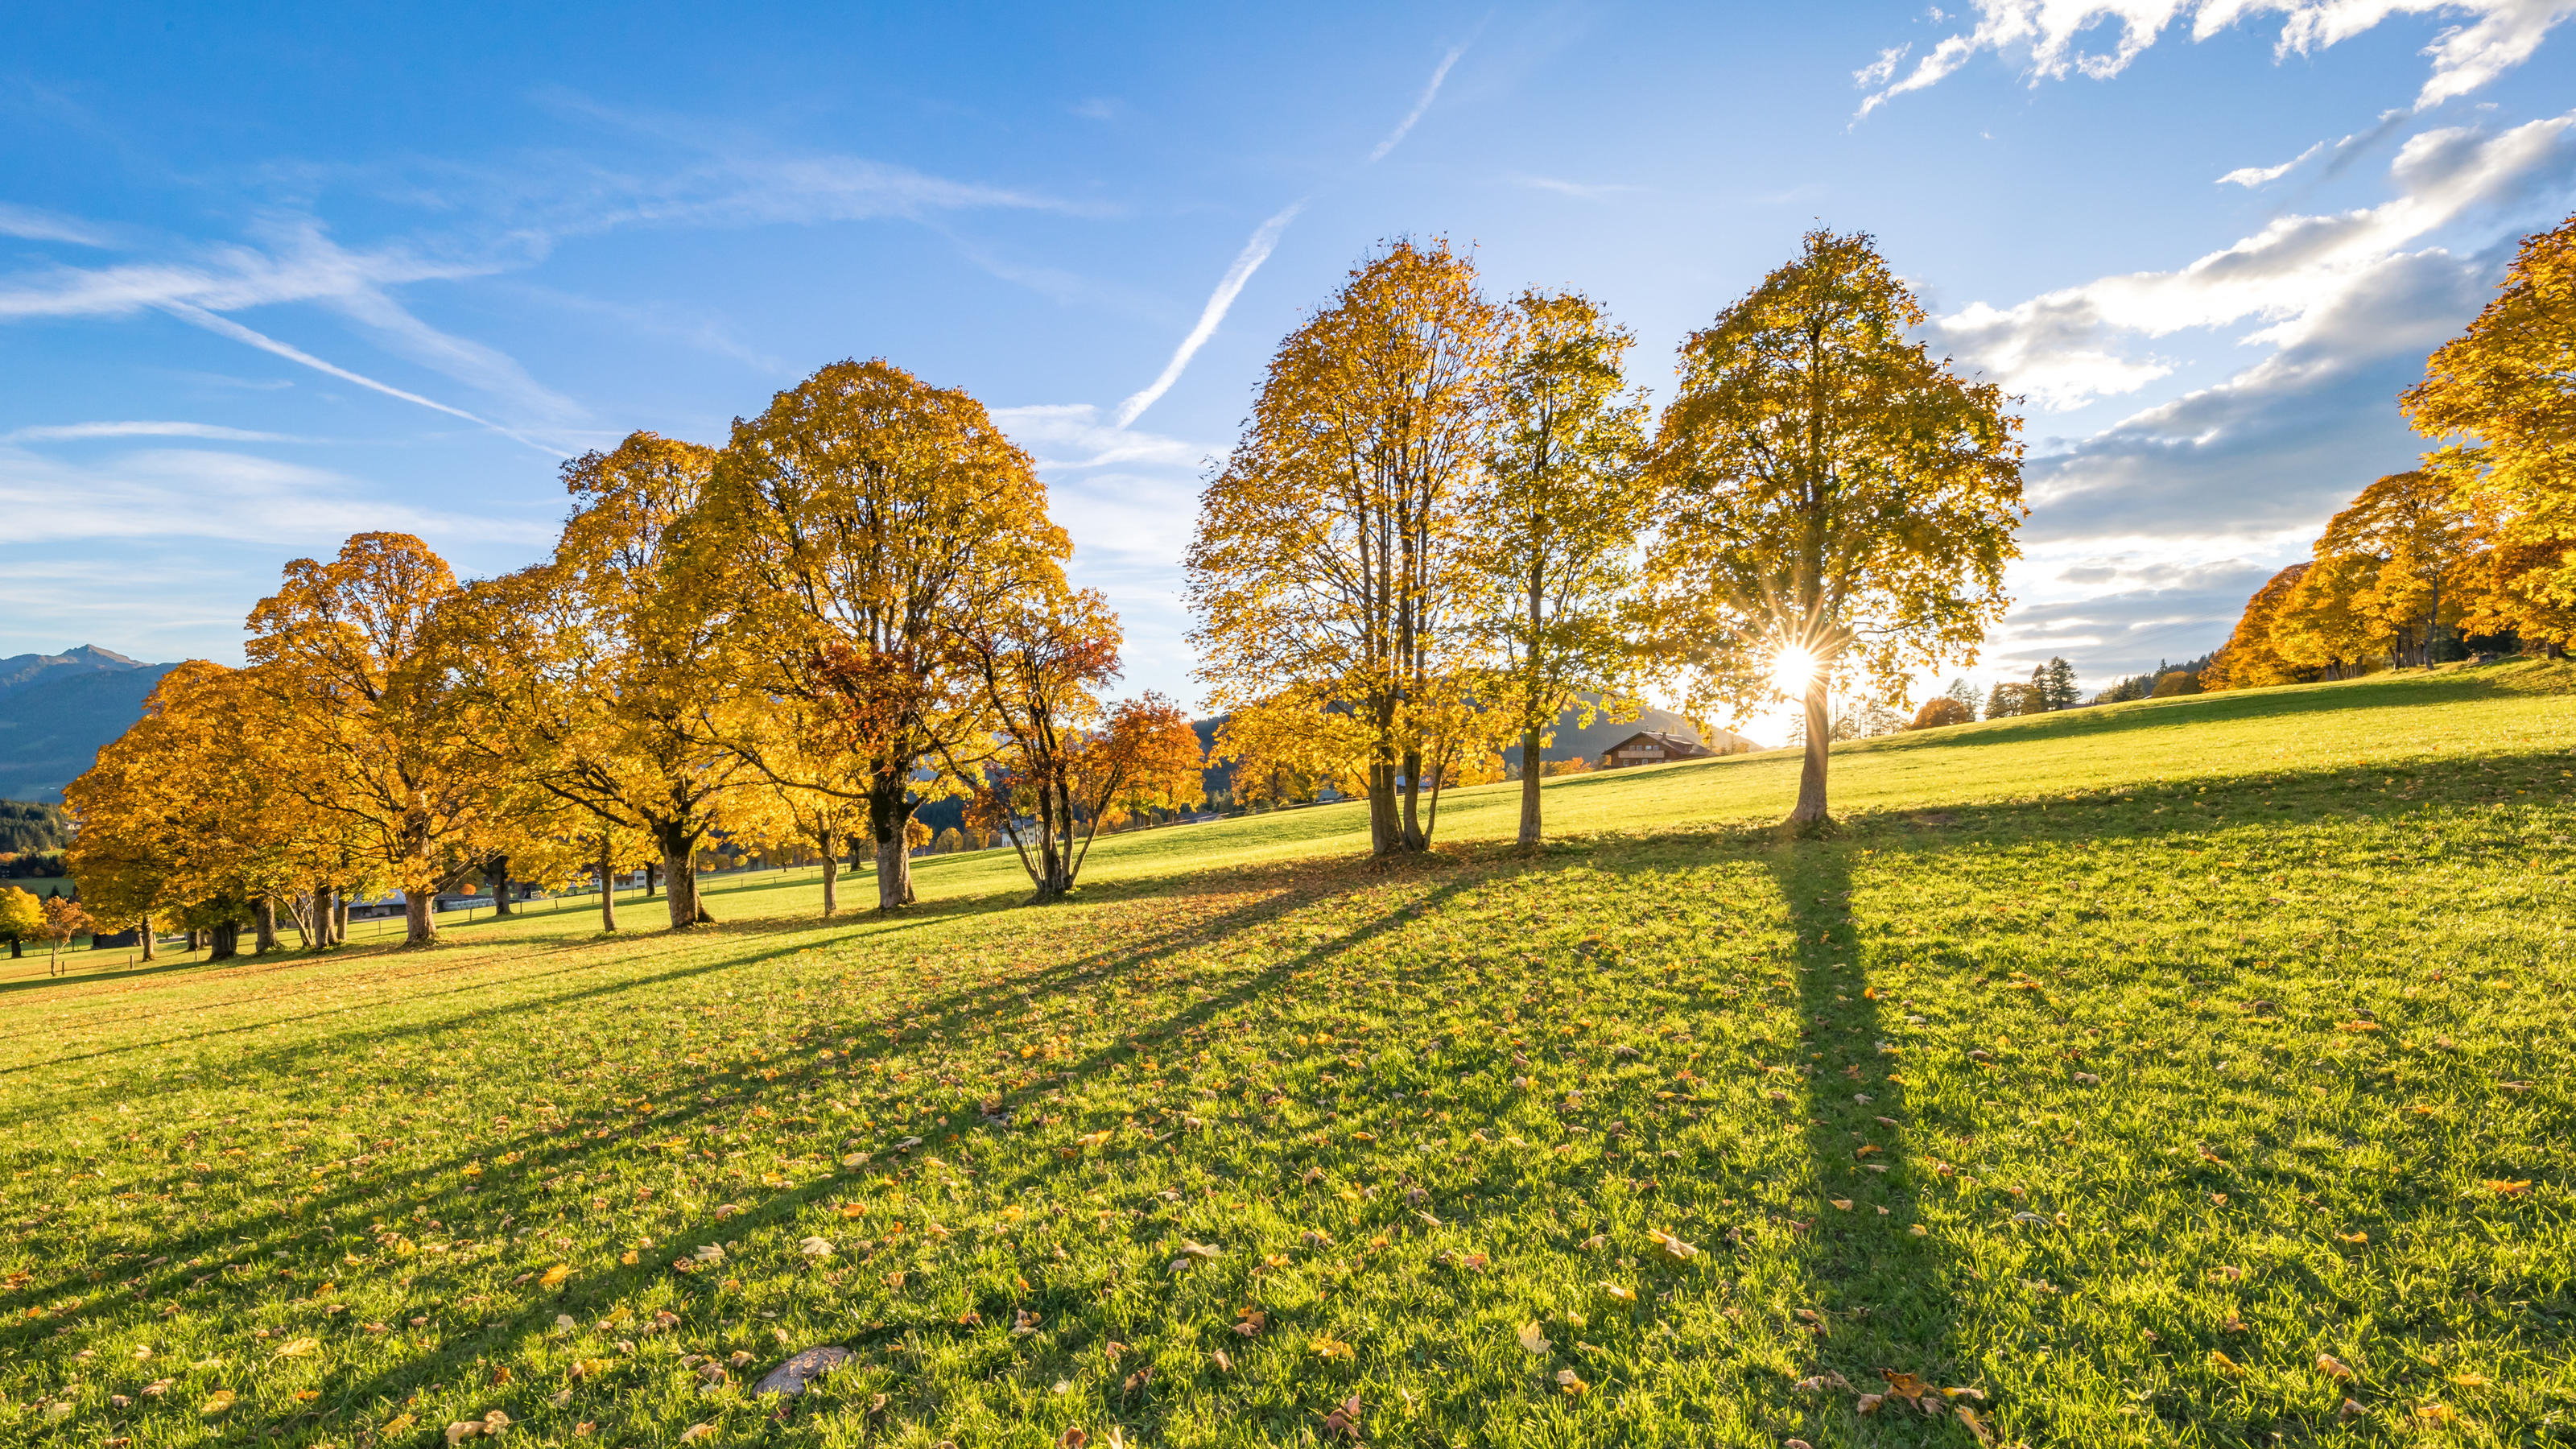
(270, 275)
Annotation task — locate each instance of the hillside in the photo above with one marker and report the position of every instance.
(2186, 1072)
(53, 724)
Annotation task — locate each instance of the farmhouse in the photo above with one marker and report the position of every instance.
(1655, 747)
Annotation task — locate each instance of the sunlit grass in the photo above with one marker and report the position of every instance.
(2220, 1026)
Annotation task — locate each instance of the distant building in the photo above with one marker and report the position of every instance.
(1657, 747)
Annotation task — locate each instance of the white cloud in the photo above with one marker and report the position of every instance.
(2252, 176)
(1581, 190)
(1883, 69)
(30, 224)
(77, 432)
(2050, 34)
(2063, 348)
(1076, 428)
(235, 498)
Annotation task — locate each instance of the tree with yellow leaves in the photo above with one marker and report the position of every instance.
(2250, 659)
(1329, 569)
(351, 656)
(2414, 539)
(1286, 749)
(602, 670)
(850, 529)
(2328, 624)
(1555, 527)
(2506, 388)
(22, 919)
(1835, 503)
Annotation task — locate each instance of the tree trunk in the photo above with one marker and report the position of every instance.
(1811, 774)
(321, 910)
(263, 918)
(420, 918)
(223, 942)
(339, 916)
(1531, 767)
(890, 808)
(1386, 832)
(1414, 839)
(17, 948)
(607, 889)
(151, 939)
(831, 877)
(652, 880)
(497, 875)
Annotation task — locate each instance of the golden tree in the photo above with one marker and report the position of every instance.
(2249, 659)
(1835, 503)
(2414, 532)
(22, 919)
(2328, 623)
(351, 657)
(2508, 386)
(1286, 749)
(1555, 527)
(195, 810)
(851, 528)
(1329, 569)
(601, 671)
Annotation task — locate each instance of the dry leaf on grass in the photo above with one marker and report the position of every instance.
(1533, 1340)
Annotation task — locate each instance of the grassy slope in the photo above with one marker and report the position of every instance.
(1416, 1109)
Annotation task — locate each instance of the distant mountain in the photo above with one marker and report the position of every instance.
(58, 710)
(20, 671)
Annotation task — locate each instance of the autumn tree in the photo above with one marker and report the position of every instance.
(602, 670)
(1941, 710)
(850, 528)
(65, 922)
(2249, 659)
(2505, 391)
(1063, 761)
(1329, 569)
(1835, 502)
(199, 809)
(1284, 749)
(350, 655)
(2327, 623)
(2413, 537)
(1554, 526)
(22, 919)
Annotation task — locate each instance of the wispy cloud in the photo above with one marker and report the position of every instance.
(30, 224)
(2498, 35)
(175, 493)
(77, 432)
(1228, 287)
(1582, 190)
(2252, 176)
(1430, 93)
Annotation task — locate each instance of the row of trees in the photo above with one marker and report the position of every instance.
(857, 605)
(2480, 539)
(1449, 520)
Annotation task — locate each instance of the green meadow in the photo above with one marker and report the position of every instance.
(2176, 1073)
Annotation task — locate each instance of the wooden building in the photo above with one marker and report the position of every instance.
(1656, 747)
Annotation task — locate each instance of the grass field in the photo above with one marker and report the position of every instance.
(2186, 1072)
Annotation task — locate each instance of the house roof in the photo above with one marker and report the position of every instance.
(1670, 744)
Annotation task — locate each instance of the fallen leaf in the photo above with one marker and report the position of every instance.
(1624, 1295)
(220, 1401)
(696, 1432)
(2333, 1367)
(1976, 1425)
(1345, 1418)
(1843, 1203)
(296, 1348)
(1533, 1340)
(554, 1277)
(1673, 1247)
(1571, 1382)
(2504, 1187)
(2223, 1363)
(1330, 1347)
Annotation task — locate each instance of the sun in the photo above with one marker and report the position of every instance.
(1791, 671)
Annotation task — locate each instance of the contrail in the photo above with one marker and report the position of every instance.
(1246, 262)
(223, 326)
(1429, 92)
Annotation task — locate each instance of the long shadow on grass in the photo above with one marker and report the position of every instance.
(1880, 1291)
(640, 1285)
